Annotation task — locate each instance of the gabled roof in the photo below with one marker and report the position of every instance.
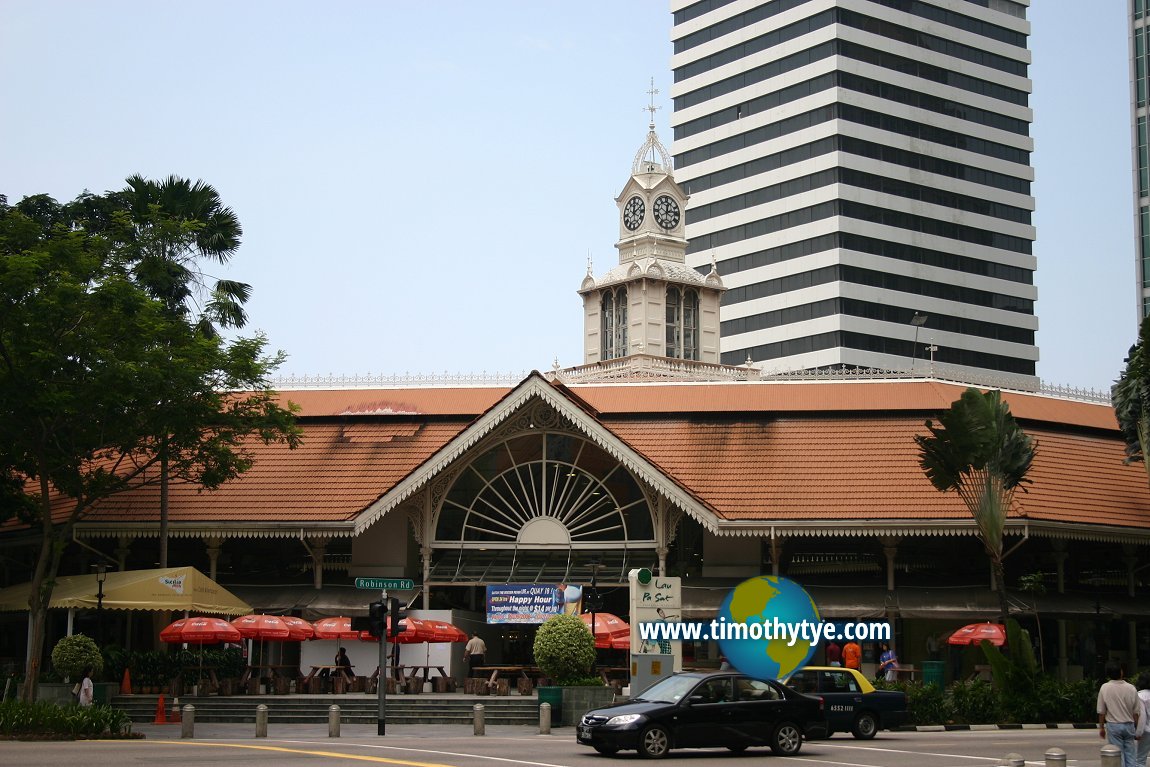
(742, 457)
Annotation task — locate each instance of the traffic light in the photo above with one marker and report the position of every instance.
(397, 614)
(377, 618)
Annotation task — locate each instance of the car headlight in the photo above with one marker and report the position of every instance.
(624, 719)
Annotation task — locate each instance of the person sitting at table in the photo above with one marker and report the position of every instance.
(344, 664)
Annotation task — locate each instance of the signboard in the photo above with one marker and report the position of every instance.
(523, 602)
(385, 584)
(656, 600)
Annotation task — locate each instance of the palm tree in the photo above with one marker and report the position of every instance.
(979, 450)
(173, 226)
(1131, 399)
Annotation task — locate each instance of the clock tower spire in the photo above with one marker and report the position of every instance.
(652, 303)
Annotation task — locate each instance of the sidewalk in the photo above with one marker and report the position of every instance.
(246, 731)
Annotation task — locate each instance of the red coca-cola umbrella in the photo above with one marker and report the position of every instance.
(200, 631)
(995, 633)
(334, 628)
(610, 631)
(299, 628)
(263, 628)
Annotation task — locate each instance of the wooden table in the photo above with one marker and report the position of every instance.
(606, 672)
(289, 670)
(404, 676)
(329, 667)
(905, 673)
(497, 670)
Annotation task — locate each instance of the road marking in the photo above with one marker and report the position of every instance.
(332, 754)
(445, 753)
(904, 751)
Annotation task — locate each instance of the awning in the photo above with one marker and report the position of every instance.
(173, 588)
(311, 603)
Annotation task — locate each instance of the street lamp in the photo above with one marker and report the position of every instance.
(593, 603)
(918, 320)
(101, 576)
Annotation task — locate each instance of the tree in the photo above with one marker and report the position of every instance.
(166, 229)
(979, 450)
(565, 649)
(93, 368)
(1131, 399)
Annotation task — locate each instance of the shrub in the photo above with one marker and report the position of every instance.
(975, 702)
(73, 654)
(928, 704)
(565, 649)
(18, 718)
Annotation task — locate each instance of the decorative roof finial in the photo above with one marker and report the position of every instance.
(651, 107)
(589, 272)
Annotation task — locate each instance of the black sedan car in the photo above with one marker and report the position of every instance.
(851, 702)
(705, 710)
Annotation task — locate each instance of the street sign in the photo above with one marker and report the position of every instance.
(385, 584)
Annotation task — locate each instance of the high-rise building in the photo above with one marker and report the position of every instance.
(860, 172)
(1139, 51)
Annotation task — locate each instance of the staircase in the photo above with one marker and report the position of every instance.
(448, 708)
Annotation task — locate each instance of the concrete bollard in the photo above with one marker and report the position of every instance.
(480, 719)
(1014, 760)
(262, 720)
(188, 722)
(544, 718)
(333, 721)
(1111, 756)
(1055, 757)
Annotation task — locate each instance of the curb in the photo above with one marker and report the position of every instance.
(986, 727)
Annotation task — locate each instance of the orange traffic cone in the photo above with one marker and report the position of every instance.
(175, 717)
(126, 683)
(161, 713)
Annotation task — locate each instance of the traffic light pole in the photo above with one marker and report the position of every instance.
(381, 679)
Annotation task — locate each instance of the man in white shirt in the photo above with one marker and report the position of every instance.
(1118, 714)
(473, 652)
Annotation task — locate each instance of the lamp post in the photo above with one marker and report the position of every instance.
(593, 601)
(101, 576)
(918, 320)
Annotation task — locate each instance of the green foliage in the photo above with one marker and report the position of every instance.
(73, 654)
(1065, 701)
(975, 702)
(1131, 399)
(106, 373)
(565, 650)
(45, 718)
(979, 450)
(1016, 675)
(928, 704)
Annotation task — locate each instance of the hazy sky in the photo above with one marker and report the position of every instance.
(421, 183)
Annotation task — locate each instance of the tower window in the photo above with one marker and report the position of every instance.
(614, 331)
(682, 323)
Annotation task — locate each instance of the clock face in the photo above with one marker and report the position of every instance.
(633, 213)
(666, 212)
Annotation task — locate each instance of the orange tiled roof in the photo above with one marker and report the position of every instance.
(799, 451)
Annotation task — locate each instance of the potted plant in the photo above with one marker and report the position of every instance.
(70, 657)
(565, 652)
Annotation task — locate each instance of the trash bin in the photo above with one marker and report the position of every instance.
(934, 672)
(554, 696)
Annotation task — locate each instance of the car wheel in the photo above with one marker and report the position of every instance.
(787, 739)
(865, 726)
(655, 743)
(607, 750)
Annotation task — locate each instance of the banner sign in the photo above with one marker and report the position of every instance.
(523, 602)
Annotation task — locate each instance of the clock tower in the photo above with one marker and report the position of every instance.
(652, 303)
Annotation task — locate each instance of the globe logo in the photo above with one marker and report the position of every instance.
(761, 600)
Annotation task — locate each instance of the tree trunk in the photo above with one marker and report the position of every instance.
(40, 593)
(164, 503)
(1000, 577)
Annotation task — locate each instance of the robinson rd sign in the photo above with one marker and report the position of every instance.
(385, 584)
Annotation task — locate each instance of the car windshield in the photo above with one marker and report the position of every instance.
(669, 690)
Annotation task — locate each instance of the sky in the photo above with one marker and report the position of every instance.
(421, 184)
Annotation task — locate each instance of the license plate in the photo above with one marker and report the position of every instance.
(584, 732)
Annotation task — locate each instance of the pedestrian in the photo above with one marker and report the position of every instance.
(1143, 717)
(852, 655)
(834, 653)
(1119, 713)
(931, 647)
(473, 652)
(344, 664)
(86, 688)
(888, 663)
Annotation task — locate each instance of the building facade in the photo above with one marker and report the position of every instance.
(860, 172)
(1139, 84)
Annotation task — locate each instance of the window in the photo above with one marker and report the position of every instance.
(682, 323)
(613, 310)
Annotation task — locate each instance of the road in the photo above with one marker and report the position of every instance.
(455, 746)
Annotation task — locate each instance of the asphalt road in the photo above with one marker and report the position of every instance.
(455, 746)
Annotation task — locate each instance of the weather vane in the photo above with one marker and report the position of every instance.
(651, 107)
